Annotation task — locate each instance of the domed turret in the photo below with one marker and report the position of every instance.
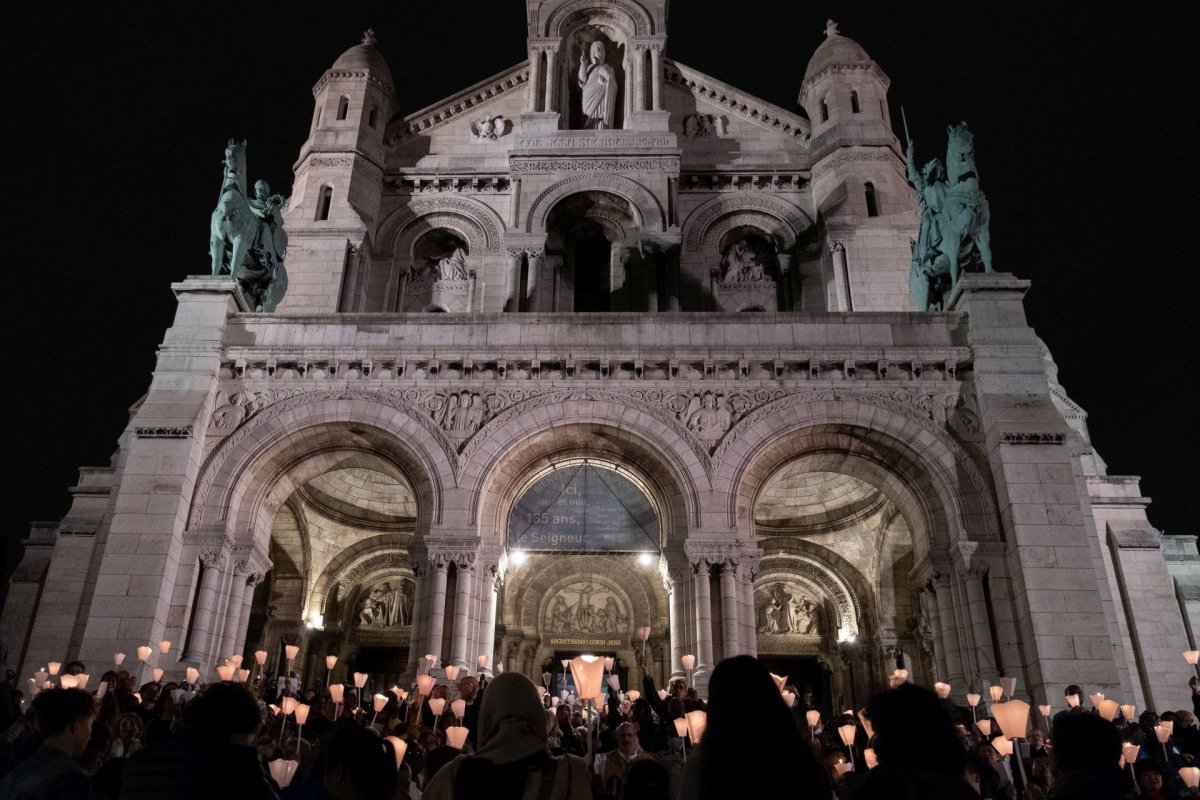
(339, 175)
(858, 178)
(845, 95)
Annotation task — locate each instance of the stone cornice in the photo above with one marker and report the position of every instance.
(439, 114)
(740, 104)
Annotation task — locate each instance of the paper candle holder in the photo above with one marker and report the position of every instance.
(456, 736)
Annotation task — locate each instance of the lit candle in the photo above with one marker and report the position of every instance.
(451, 673)
(289, 704)
(1190, 776)
(482, 661)
(301, 713)
(996, 692)
(869, 757)
(336, 691)
(67, 682)
(53, 667)
(360, 680)
(291, 651)
(634, 695)
(399, 748)
(330, 661)
(437, 706)
(243, 675)
(260, 656)
(456, 736)
(157, 672)
(143, 653)
(942, 690)
(118, 659)
(192, 674)
(225, 672)
(688, 662)
(164, 647)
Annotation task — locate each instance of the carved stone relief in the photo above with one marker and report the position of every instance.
(782, 609)
(490, 129)
(696, 126)
(387, 604)
(586, 607)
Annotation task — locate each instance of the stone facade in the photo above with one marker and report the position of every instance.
(839, 481)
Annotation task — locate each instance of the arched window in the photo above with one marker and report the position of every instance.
(854, 103)
(872, 200)
(343, 107)
(371, 116)
(324, 201)
(824, 110)
(317, 118)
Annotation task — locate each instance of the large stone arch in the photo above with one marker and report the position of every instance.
(839, 579)
(647, 211)
(627, 14)
(356, 556)
(570, 424)
(478, 224)
(933, 481)
(269, 454)
(784, 222)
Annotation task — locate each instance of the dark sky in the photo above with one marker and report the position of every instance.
(115, 115)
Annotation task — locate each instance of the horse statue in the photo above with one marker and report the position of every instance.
(247, 237)
(954, 235)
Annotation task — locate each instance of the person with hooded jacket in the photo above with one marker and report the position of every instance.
(513, 761)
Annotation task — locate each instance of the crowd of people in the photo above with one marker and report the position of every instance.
(509, 738)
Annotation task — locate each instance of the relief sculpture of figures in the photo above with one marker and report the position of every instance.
(598, 88)
(247, 236)
(706, 414)
(452, 266)
(384, 607)
(954, 234)
(743, 263)
(604, 615)
(780, 611)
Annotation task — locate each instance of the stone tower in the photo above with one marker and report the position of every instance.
(858, 182)
(338, 183)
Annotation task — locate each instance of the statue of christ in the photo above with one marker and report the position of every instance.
(598, 88)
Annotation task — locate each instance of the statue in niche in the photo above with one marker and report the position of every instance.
(598, 88)
(385, 607)
(706, 414)
(696, 126)
(452, 266)
(463, 412)
(744, 262)
(604, 615)
(779, 612)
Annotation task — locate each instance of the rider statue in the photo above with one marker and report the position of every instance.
(928, 262)
(248, 240)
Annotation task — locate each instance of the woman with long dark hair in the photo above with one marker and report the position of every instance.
(751, 746)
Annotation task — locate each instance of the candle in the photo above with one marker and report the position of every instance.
(451, 673)
(143, 653)
(164, 647)
(260, 656)
(243, 675)
(118, 659)
(225, 672)
(53, 667)
(456, 736)
(360, 680)
(688, 662)
(289, 705)
(437, 706)
(399, 748)
(869, 757)
(301, 713)
(193, 674)
(335, 692)
(291, 651)
(157, 672)
(482, 661)
(996, 692)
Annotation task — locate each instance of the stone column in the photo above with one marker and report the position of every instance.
(437, 606)
(940, 665)
(514, 211)
(656, 74)
(840, 277)
(785, 281)
(465, 563)
(487, 637)
(730, 600)
(252, 582)
(532, 285)
(981, 627)
(704, 651)
(678, 616)
(416, 650)
(955, 674)
(512, 278)
(749, 623)
(535, 74)
(212, 564)
(551, 73)
(639, 77)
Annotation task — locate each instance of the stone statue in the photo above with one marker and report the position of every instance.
(743, 263)
(247, 236)
(779, 612)
(453, 265)
(384, 607)
(707, 414)
(954, 232)
(598, 88)
(489, 129)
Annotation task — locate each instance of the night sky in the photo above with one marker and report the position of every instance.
(115, 118)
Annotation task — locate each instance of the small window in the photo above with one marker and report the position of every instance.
(824, 110)
(317, 120)
(872, 200)
(854, 106)
(371, 116)
(324, 202)
(343, 108)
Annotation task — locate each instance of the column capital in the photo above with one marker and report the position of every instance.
(837, 247)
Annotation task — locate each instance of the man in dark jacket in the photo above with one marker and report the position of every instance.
(212, 757)
(64, 719)
(1087, 751)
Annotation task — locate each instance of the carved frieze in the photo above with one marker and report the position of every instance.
(536, 166)
(163, 432)
(781, 609)
(586, 606)
(697, 126)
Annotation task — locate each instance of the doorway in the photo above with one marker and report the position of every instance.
(808, 676)
(592, 262)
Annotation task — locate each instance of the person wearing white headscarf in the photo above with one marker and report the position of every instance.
(513, 761)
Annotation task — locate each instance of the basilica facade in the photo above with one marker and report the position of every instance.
(605, 355)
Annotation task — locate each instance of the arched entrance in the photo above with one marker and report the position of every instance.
(593, 255)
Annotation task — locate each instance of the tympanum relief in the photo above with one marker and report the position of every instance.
(783, 610)
(586, 607)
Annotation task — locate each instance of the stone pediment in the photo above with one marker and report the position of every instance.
(737, 104)
(464, 105)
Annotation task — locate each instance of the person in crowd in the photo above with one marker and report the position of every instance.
(918, 749)
(647, 780)
(612, 768)
(571, 741)
(128, 739)
(359, 765)
(1037, 744)
(470, 690)
(513, 761)
(729, 763)
(212, 756)
(1040, 778)
(1187, 734)
(1087, 750)
(1152, 782)
(64, 719)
